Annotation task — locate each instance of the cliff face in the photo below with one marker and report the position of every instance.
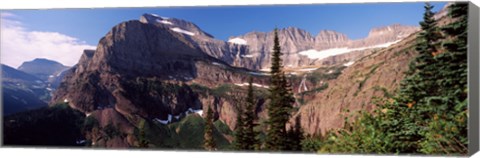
(146, 71)
(375, 75)
(253, 49)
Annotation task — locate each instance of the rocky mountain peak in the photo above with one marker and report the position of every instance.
(395, 29)
(177, 25)
(329, 36)
(42, 68)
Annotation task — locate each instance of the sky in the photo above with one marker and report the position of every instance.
(62, 34)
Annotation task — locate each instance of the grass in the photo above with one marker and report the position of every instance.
(367, 76)
(186, 134)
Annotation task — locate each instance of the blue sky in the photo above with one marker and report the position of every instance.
(355, 20)
(87, 26)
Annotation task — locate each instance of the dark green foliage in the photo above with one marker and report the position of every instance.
(295, 136)
(222, 127)
(311, 144)
(209, 143)
(89, 124)
(239, 143)
(246, 138)
(429, 112)
(187, 134)
(250, 135)
(142, 140)
(447, 123)
(281, 101)
(58, 125)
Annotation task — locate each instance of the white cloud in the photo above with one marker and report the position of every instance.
(18, 44)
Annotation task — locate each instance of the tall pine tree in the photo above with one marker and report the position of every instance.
(281, 101)
(410, 109)
(209, 143)
(447, 126)
(295, 136)
(249, 134)
(238, 142)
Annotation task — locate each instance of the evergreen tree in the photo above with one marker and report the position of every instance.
(447, 126)
(281, 100)
(295, 136)
(429, 112)
(239, 131)
(249, 135)
(419, 83)
(209, 143)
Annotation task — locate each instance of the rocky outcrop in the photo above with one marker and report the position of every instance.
(330, 39)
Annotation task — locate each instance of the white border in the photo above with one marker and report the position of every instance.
(82, 153)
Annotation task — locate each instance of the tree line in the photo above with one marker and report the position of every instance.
(280, 108)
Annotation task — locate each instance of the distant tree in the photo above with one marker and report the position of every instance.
(280, 104)
(209, 143)
(249, 134)
(295, 136)
(238, 142)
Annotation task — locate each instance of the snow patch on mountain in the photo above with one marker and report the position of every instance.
(253, 84)
(259, 73)
(179, 30)
(247, 56)
(349, 63)
(307, 69)
(314, 54)
(238, 41)
(164, 22)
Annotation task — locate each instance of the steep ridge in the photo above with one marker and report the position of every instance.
(372, 76)
(253, 49)
(375, 75)
(143, 71)
(21, 91)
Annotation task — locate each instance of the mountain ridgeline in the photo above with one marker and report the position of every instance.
(158, 69)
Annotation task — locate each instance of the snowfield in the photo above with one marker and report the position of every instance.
(307, 69)
(349, 63)
(253, 84)
(247, 56)
(164, 22)
(238, 41)
(179, 30)
(314, 54)
(218, 64)
(161, 121)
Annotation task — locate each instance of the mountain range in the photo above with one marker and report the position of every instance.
(156, 73)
